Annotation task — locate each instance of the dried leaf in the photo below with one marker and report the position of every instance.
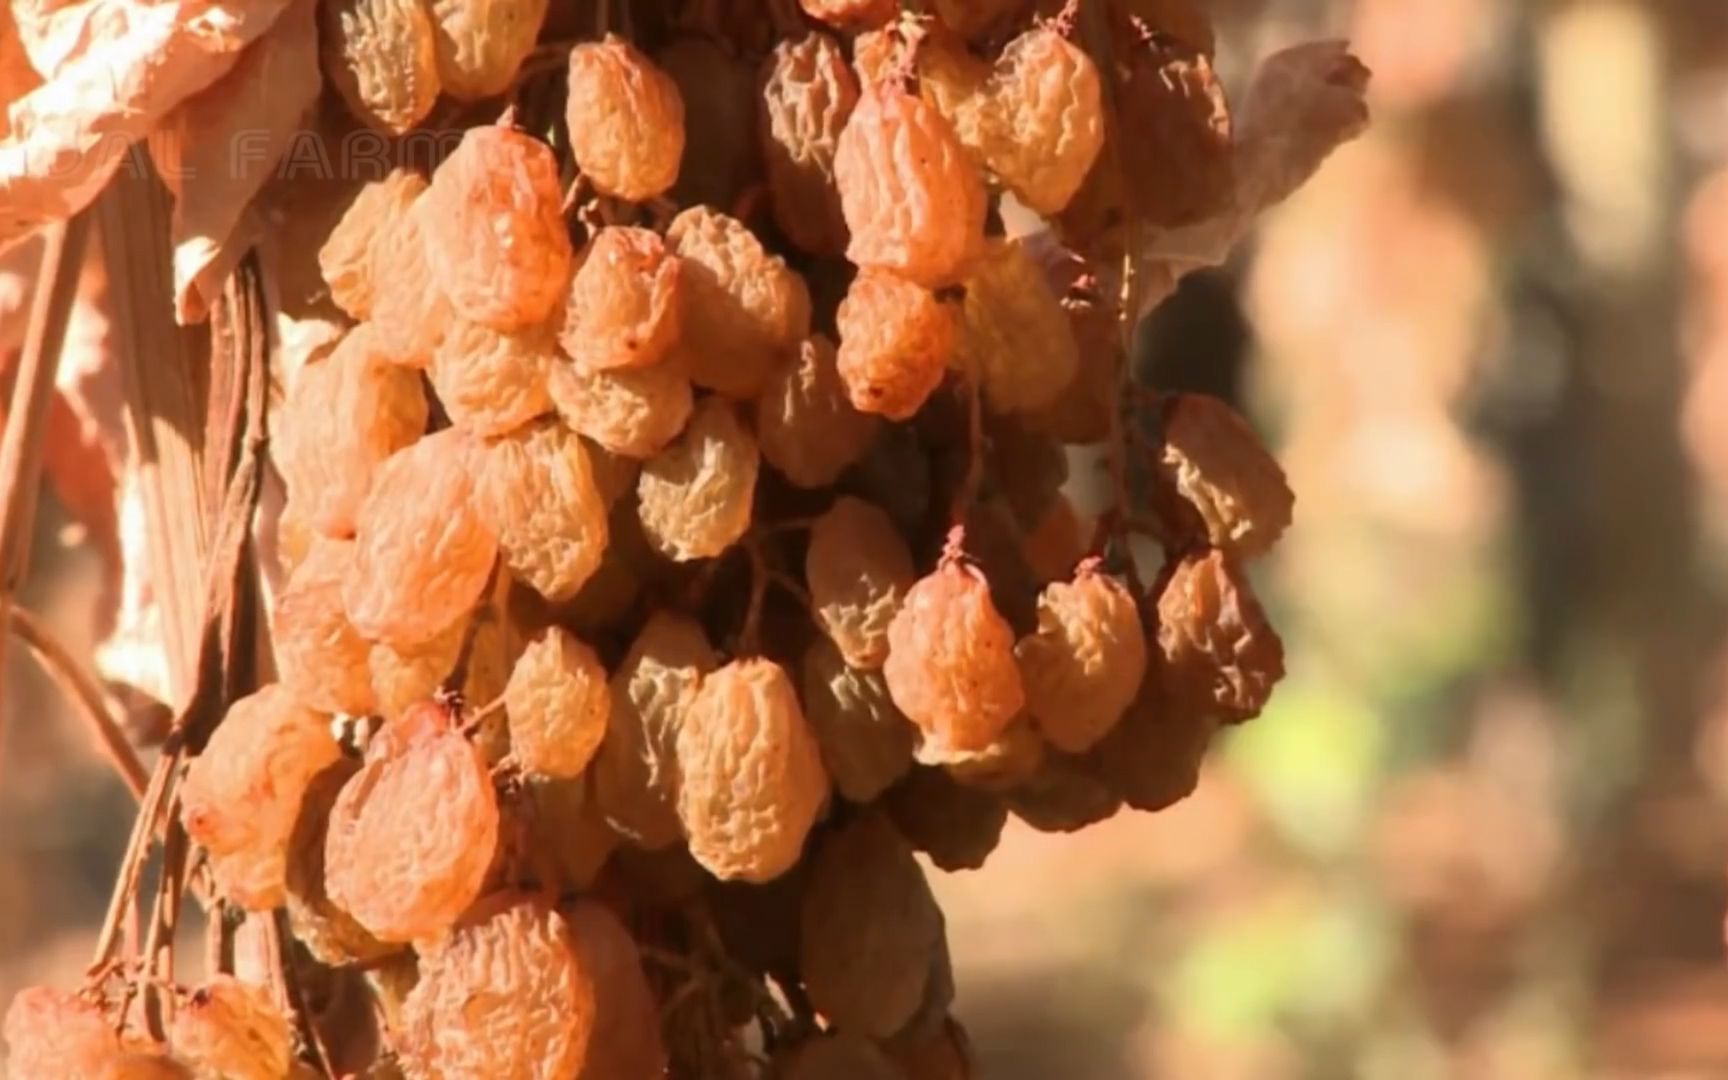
(115, 68)
(1305, 102)
(230, 137)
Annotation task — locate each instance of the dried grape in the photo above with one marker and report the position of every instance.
(636, 771)
(408, 675)
(412, 834)
(695, 497)
(410, 311)
(557, 702)
(1227, 490)
(1152, 757)
(1045, 118)
(850, 14)
(744, 311)
(870, 928)
(493, 226)
(346, 257)
(380, 56)
(626, 120)
(808, 94)
(538, 493)
(912, 200)
(423, 548)
(242, 793)
(632, 412)
(234, 1030)
(956, 825)
(1007, 762)
(568, 840)
(1014, 336)
(625, 305)
(345, 414)
(50, 1033)
(1220, 655)
(859, 571)
(481, 43)
(320, 657)
(491, 382)
(896, 339)
(751, 782)
(1063, 795)
(505, 996)
(626, 1041)
(722, 157)
(1084, 664)
(950, 661)
(866, 741)
(329, 933)
(805, 422)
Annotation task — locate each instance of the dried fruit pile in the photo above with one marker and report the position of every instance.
(678, 542)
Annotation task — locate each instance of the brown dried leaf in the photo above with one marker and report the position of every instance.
(1305, 102)
(229, 138)
(115, 68)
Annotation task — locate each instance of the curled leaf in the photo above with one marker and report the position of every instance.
(230, 137)
(114, 69)
(1305, 102)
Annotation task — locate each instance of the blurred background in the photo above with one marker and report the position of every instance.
(1482, 830)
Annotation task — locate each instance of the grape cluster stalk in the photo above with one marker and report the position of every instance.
(679, 544)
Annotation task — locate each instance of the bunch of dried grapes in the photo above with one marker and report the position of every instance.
(682, 578)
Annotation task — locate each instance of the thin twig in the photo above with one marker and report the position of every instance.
(33, 390)
(81, 690)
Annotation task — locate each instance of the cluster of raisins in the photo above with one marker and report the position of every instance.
(678, 542)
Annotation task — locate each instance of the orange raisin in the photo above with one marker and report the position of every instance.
(950, 662)
(413, 832)
(493, 226)
(636, 771)
(896, 340)
(912, 200)
(491, 382)
(625, 306)
(695, 497)
(423, 547)
(744, 312)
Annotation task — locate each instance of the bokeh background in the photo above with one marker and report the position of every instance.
(1483, 828)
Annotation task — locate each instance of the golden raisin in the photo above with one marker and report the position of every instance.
(636, 772)
(538, 493)
(805, 422)
(625, 118)
(423, 548)
(1220, 656)
(744, 312)
(557, 702)
(695, 497)
(751, 782)
(808, 94)
(859, 571)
